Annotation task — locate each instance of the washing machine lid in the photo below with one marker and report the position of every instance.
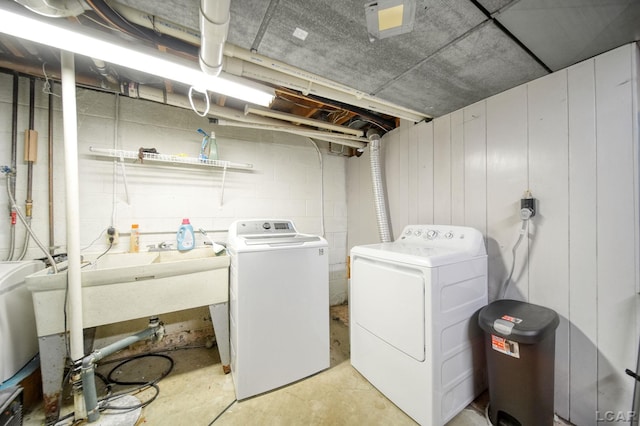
(428, 245)
(268, 233)
(12, 273)
(279, 239)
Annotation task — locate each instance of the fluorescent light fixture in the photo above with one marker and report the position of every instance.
(18, 22)
(386, 18)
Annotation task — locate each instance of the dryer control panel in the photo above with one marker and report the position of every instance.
(443, 236)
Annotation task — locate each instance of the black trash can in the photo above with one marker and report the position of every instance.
(520, 346)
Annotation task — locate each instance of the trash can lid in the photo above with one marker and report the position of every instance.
(518, 321)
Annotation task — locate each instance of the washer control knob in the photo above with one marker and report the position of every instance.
(448, 235)
(417, 233)
(266, 225)
(431, 234)
(408, 231)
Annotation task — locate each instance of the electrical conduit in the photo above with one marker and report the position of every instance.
(379, 198)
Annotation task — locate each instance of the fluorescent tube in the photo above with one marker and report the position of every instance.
(94, 44)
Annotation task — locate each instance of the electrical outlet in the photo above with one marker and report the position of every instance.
(112, 236)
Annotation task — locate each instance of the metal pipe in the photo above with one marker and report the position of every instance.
(30, 231)
(32, 113)
(28, 209)
(11, 187)
(14, 130)
(50, 172)
(271, 10)
(89, 362)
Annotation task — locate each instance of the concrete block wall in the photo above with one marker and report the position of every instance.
(285, 181)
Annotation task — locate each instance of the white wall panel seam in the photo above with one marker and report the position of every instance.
(568, 242)
(635, 86)
(635, 75)
(486, 174)
(528, 174)
(616, 257)
(595, 129)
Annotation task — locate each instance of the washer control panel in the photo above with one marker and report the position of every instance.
(442, 236)
(264, 227)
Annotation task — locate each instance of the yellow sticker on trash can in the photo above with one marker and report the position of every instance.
(507, 347)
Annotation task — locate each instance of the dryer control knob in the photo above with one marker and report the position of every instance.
(266, 225)
(408, 231)
(417, 233)
(432, 234)
(448, 235)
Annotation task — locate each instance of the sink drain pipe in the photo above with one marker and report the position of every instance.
(378, 188)
(155, 331)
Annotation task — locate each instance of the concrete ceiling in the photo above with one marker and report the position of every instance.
(459, 52)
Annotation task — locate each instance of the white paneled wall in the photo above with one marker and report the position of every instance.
(572, 139)
(285, 181)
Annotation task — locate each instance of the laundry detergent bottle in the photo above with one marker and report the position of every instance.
(186, 237)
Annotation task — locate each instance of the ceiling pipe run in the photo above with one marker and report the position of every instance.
(214, 27)
(244, 63)
(265, 112)
(234, 118)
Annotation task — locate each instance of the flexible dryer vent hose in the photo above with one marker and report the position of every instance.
(379, 198)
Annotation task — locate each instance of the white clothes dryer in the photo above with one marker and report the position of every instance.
(413, 319)
(279, 305)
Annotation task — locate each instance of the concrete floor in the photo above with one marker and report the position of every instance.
(197, 391)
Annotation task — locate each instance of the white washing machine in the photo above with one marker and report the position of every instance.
(18, 337)
(279, 305)
(413, 319)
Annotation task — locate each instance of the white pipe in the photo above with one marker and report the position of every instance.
(214, 26)
(265, 112)
(315, 145)
(309, 83)
(156, 23)
(309, 134)
(70, 124)
(378, 190)
(263, 73)
(234, 118)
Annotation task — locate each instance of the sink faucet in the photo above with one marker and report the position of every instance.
(163, 246)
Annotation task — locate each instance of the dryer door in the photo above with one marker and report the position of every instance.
(388, 300)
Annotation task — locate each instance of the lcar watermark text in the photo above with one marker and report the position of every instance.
(616, 416)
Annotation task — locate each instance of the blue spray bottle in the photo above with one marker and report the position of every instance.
(209, 147)
(186, 237)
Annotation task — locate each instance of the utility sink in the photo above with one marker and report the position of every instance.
(123, 286)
